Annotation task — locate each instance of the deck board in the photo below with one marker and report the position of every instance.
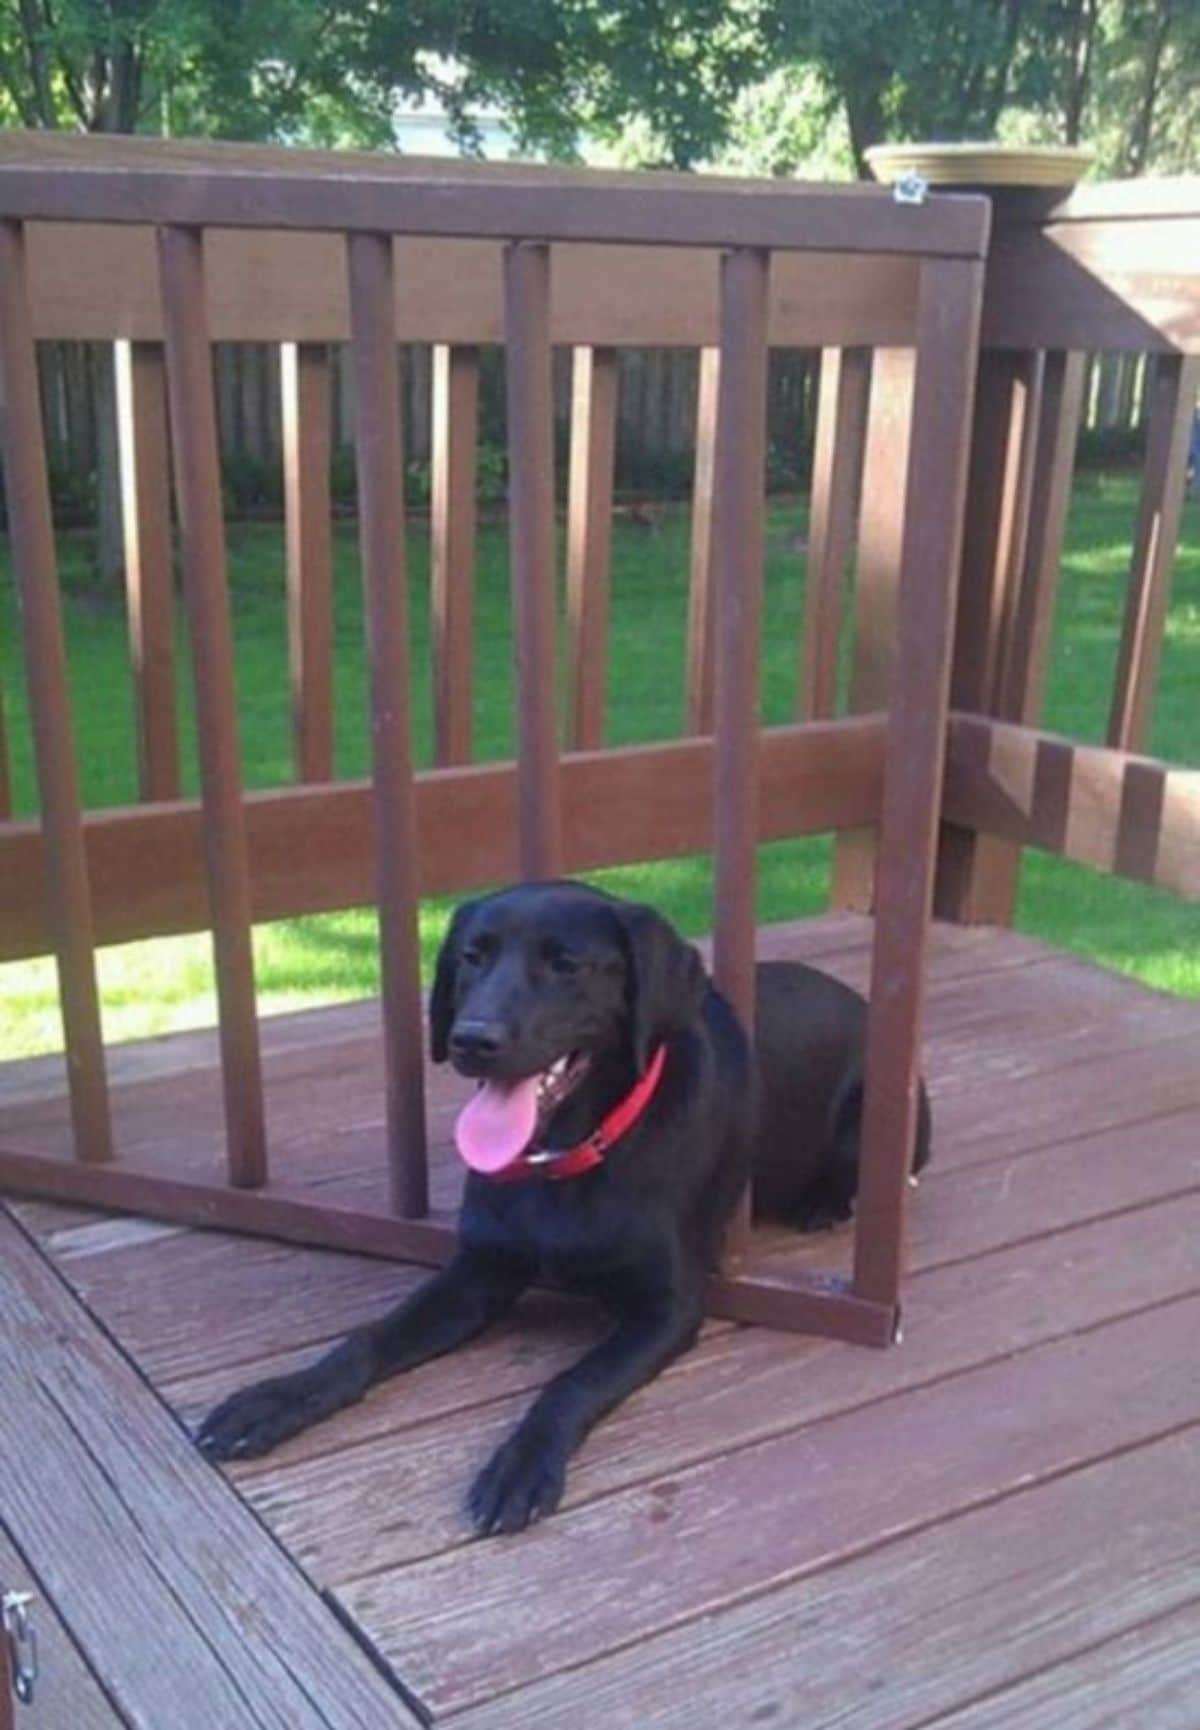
(912, 1630)
(66, 1695)
(170, 1587)
(778, 1529)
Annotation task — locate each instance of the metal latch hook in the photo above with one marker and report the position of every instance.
(22, 1643)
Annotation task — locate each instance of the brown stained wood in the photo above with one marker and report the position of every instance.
(837, 476)
(589, 540)
(700, 637)
(1145, 1676)
(155, 1566)
(381, 531)
(531, 555)
(1096, 1556)
(1172, 407)
(312, 849)
(223, 186)
(67, 1695)
(736, 576)
(1027, 650)
(739, 479)
(1104, 808)
(452, 547)
(877, 576)
(63, 890)
(264, 283)
(942, 391)
(206, 589)
(669, 1550)
(977, 881)
(149, 575)
(1127, 284)
(327, 1496)
(305, 387)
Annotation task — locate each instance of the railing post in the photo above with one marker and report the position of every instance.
(589, 538)
(452, 547)
(837, 474)
(380, 461)
(737, 566)
(31, 531)
(144, 457)
(936, 471)
(880, 540)
(531, 532)
(305, 392)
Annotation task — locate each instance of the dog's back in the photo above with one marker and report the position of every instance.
(810, 1035)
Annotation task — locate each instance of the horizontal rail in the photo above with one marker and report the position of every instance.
(767, 1299)
(1128, 815)
(267, 286)
(311, 849)
(1107, 284)
(151, 180)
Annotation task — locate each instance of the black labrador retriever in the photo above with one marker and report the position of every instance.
(618, 1113)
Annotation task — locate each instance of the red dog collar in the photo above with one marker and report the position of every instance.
(586, 1155)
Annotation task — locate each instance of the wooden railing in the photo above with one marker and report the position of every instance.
(168, 248)
(1112, 268)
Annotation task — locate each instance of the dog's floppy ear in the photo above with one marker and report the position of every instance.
(441, 997)
(667, 980)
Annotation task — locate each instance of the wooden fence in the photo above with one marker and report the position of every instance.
(312, 252)
(317, 250)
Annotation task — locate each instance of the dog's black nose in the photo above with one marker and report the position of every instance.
(477, 1041)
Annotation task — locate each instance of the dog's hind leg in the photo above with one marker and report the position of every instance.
(828, 1200)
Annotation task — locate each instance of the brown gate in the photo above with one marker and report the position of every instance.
(587, 259)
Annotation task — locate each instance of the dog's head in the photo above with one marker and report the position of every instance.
(537, 981)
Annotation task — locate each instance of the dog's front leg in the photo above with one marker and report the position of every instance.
(460, 1301)
(524, 1478)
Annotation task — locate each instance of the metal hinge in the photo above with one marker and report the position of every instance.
(22, 1643)
(910, 189)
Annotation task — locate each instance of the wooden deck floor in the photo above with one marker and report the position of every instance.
(991, 1525)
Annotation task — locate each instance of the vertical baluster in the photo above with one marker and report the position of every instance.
(306, 418)
(880, 536)
(1172, 403)
(975, 878)
(146, 526)
(837, 472)
(531, 531)
(32, 538)
(1022, 679)
(700, 607)
(947, 335)
(206, 589)
(737, 565)
(455, 441)
(589, 538)
(385, 577)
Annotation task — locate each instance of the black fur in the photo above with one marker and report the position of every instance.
(524, 976)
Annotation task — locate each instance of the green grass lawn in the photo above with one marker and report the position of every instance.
(155, 986)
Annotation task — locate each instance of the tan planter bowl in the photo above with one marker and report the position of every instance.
(979, 164)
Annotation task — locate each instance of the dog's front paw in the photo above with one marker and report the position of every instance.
(522, 1482)
(256, 1419)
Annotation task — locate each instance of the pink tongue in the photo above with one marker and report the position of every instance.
(498, 1124)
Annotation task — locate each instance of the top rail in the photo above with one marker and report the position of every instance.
(212, 185)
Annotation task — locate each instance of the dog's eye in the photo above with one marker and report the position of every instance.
(474, 955)
(562, 962)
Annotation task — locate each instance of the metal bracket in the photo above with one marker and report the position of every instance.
(15, 1627)
(910, 189)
